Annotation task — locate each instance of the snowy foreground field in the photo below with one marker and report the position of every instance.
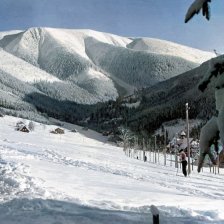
(80, 178)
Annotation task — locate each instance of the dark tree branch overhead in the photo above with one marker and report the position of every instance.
(196, 7)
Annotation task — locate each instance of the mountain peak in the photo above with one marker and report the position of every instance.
(94, 66)
(164, 47)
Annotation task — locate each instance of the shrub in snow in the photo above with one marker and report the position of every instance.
(126, 135)
(57, 131)
(31, 126)
(19, 124)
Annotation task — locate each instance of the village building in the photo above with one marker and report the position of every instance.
(58, 131)
(23, 128)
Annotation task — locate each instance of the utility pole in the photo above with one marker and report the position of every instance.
(143, 146)
(176, 159)
(164, 150)
(188, 143)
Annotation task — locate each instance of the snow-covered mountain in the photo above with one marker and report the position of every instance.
(5, 33)
(166, 100)
(46, 67)
(157, 46)
(91, 60)
(149, 108)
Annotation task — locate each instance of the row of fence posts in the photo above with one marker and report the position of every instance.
(147, 153)
(214, 169)
(153, 156)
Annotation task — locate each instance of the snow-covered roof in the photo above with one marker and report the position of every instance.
(183, 145)
(183, 133)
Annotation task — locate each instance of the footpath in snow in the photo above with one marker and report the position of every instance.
(80, 178)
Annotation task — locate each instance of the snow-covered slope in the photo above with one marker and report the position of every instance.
(70, 54)
(6, 33)
(80, 178)
(56, 49)
(174, 127)
(137, 68)
(157, 46)
(166, 100)
(22, 70)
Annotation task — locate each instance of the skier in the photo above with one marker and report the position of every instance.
(183, 161)
(145, 159)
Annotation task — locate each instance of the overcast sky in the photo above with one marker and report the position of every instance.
(162, 19)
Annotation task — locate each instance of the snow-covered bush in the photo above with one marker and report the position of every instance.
(196, 7)
(215, 74)
(126, 135)
(31, 126)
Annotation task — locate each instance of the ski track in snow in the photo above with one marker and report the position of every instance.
(19, 187)
(50, 155)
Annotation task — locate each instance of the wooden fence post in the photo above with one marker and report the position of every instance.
(155, 149)
(176, 158)
(144, 148)
(218, 162)
(165, 158)
(164, 148)
(170, 156)
(170, 159)
(155, 214)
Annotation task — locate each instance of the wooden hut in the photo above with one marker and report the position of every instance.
(58, 131)
(23, 129)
